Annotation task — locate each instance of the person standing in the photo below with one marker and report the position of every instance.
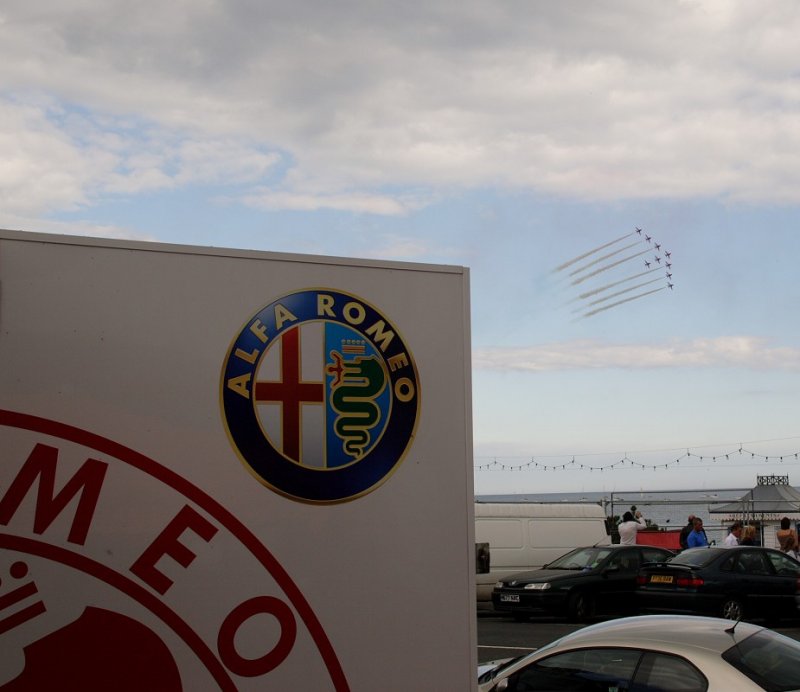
(685, 531)
(748, 535)
(732, 539)
(629, 526)
(787, 537)
(697, 538)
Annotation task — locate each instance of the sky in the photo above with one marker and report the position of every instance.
(507, 137)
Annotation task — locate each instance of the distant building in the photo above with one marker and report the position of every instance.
(764, 505)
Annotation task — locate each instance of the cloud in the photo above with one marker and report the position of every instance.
(295, 201)
(748, 352)
(62, 159)
(615, 100)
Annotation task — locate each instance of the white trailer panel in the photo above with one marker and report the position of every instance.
(253, 469)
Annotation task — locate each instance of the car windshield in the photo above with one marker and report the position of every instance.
(769, 659)
(581, 558)
(694, 557)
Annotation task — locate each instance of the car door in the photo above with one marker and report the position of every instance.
(615, 588)
(768, 591)
(608, 668)
(579, 670)
(784, 582)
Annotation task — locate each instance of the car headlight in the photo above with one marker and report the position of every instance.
(538, 587)
(499, 585)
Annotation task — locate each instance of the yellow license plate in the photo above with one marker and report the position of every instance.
(661, 579)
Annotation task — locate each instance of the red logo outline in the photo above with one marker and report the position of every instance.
(139, 593)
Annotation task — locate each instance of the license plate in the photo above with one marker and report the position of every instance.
(509, 598)
(661, 579)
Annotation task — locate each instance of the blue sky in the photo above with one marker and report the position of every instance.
(505, 137)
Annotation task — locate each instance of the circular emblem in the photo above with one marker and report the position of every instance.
(97, 595)
(320, 396)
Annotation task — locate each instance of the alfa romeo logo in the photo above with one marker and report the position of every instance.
(320, 396)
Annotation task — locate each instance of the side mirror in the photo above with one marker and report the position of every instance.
(501, 686)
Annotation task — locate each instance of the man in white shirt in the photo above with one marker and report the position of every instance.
(732, 539)
(629, 526)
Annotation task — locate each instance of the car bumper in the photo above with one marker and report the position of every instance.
(529, 601)
(677, 602)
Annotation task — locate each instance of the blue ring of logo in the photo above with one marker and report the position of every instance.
(396, 406)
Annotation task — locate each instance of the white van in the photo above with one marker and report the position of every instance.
(527, 535)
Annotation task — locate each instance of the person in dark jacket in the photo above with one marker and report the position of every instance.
(685, 531)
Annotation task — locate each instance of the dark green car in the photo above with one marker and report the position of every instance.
(579, 585)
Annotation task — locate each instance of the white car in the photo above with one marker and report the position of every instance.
(652, 653)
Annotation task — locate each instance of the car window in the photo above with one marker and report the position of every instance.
(581, 670)
(769, 659)
(664, 672)
(696, 557)
(626, 560)
(654, 555)
(783, 564)
(581, 558)
(752, 562)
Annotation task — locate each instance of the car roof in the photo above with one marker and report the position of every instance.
(616, 546)
(722, 550)
(679, 632)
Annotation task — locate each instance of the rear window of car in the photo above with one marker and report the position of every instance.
(697, 557)
(769, 659)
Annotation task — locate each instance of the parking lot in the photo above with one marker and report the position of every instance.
(499, 636)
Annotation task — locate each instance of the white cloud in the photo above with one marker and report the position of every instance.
(57, 159)
(40, 168)
(614, 100)
(372, 204)
(723, 352)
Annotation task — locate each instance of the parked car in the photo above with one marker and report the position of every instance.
(735, 583)
(580, 584)
(656, 653)
(526, 535)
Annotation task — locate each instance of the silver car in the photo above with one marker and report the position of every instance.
(652, 653)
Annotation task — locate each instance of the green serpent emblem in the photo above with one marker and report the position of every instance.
(357, 383)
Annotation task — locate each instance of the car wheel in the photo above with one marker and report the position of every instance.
(732, 609)
(580, 607)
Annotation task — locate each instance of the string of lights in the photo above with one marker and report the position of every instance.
(687, 455)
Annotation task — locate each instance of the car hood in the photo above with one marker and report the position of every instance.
(540, 575)
(491, 665)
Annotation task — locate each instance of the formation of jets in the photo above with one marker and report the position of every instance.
(600, 296)
(657, 258)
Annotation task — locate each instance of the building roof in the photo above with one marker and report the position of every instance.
(772, 495)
